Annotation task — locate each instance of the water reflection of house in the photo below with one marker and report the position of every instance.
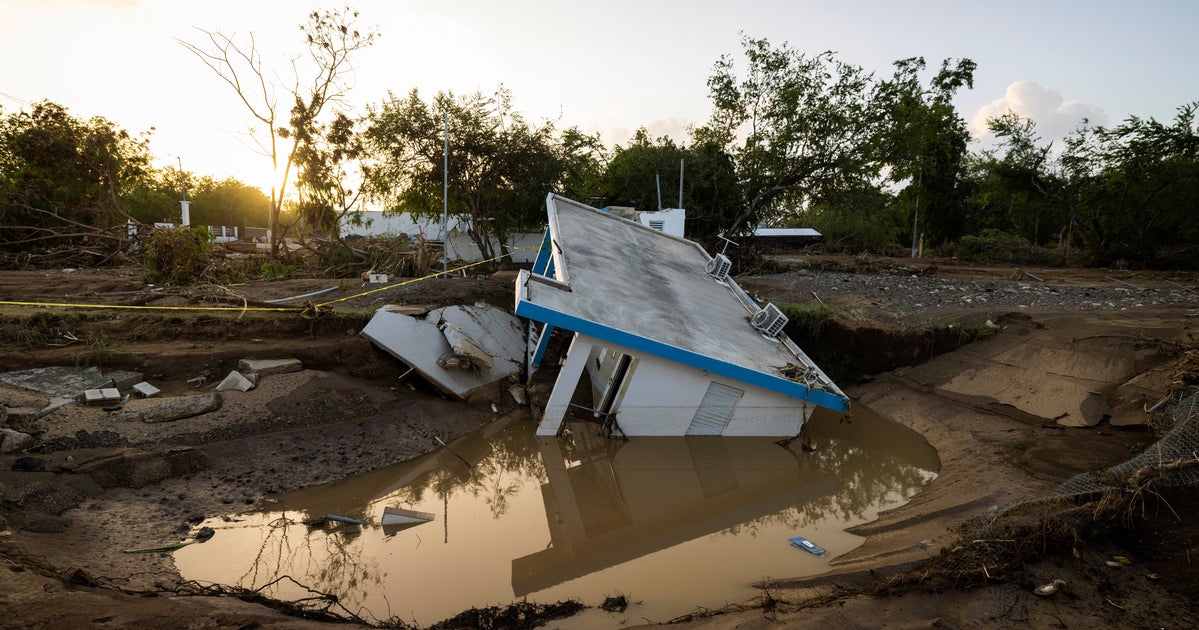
(664, 341)
(609, 502)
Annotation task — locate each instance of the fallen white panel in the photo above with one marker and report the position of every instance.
(146, 390)
(235, 380)
(402, 516)
(420, 343)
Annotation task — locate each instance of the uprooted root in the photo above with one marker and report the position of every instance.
(517, 616)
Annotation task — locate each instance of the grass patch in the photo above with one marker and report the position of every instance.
(96, 354)
(804, 321)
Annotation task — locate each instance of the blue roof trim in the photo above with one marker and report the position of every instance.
(536, 312)
(543, 342)
(544, 265)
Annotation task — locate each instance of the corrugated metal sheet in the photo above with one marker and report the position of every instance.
(715, 409)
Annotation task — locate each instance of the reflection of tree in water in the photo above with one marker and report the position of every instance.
(865, 477)
(511, 460)
(326, 557)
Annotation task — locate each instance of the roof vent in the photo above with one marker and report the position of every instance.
(719, 267)
(769, 321)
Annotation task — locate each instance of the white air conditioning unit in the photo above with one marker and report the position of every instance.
(719, 267)
(769, 321)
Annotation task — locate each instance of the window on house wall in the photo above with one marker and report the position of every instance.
(715, 410)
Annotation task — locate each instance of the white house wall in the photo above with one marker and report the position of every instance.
(661, 398)
(671, 220)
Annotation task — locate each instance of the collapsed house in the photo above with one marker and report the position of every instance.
(663, 340)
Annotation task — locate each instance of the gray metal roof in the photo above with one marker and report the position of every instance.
(653, 286)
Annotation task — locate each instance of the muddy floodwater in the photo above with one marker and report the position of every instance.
(674, 524)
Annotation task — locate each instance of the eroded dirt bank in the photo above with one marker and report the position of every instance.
(993, 409)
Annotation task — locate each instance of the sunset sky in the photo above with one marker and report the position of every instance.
(608, 66)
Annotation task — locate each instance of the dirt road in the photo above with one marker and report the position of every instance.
(1060, 389)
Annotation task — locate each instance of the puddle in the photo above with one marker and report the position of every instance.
(674, 524)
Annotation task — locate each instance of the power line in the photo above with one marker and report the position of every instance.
(13, 98)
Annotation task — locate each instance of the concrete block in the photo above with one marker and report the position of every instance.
(174, 409)
(269, 367)
(101, 396)
(146, 390)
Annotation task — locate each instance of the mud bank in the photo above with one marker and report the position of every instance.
(994, 409)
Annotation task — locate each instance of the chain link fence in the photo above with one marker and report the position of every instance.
(1168, 459)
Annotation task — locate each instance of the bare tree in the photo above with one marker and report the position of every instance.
(332, 37)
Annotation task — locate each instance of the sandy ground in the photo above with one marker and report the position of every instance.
(1055, 392)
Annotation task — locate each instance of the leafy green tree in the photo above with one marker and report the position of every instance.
(1141, 205)
(861, 219)
(710, 191)
(632, 176)
(924, 143)
(1025, 188)
(328, 159)
(228, 202)
(63, 180)
(500, 167)
(584, 160)
(710, 196)
(214, 202)
(333, 39)
(798, 127)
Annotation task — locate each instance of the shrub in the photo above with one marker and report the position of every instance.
(178, 255)
(276, 270)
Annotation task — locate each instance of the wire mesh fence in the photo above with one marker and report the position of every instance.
(1168, 459)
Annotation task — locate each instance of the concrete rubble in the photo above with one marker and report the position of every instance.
(235, 381)
(63, 385)
(460, 349)
(268, 367)
(174, 409)
(102, 396)
(146, 390)
(12, 441)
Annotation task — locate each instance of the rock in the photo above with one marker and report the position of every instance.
(29, 464)
(12, 441)
(228, 498)
(135, 468)
(46, 524)
(174, 409)
(269, 367)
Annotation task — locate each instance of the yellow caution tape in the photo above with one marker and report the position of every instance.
(428, 277)
(308, 310)
(159, 308)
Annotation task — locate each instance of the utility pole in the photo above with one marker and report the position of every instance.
(681, 162)
(185, 218)
(445, 200)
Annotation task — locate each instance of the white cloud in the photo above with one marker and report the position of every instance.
(1055, 117)
(677, 129)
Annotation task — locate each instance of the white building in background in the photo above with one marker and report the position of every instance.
(667, 342)
(669, 221)
(459, 245)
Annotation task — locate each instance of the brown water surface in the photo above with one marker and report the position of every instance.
(674, 524)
